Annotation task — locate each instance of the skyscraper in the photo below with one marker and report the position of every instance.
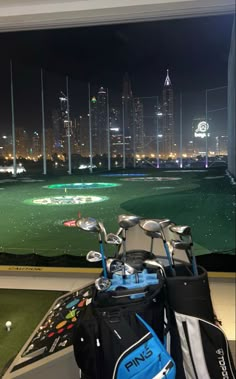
(128, 115)
(168, 118)
(99, 122)
(138, 126)
(115, 132)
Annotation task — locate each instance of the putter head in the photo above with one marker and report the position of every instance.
(89, 224)
(102, 284)
(113, 239)
(93, 256)
(127, 221)
(183, 230)
(181, 245)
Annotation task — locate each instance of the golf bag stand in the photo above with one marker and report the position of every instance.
(198, 346)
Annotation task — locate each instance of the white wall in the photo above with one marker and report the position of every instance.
(40, 14)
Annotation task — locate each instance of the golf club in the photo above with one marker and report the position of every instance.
(90, 224)
(158, 225)
(111, 238)
(152, 235)
(184, 231)
(125, 222)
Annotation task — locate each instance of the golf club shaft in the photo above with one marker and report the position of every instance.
(124, 251)
(103, 258)
(194, 263)
(169, 258)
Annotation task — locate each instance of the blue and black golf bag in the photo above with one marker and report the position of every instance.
(121, 333)
(198, 346)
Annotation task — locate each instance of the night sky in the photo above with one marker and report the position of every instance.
(194, 50)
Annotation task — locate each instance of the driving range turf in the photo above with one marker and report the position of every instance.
(202, 199)
(25, 309)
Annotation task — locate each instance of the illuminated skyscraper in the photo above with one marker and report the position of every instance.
(168, 118)
(128, 115)
(36, 150)
(138, 126)
(99, 122)
(115, 132)
(22, 142)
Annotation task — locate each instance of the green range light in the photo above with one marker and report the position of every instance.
(66, 200)
(82, 186)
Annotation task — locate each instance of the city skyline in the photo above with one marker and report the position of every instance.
(194, 63)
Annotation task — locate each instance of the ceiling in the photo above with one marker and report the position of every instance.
(18, 15)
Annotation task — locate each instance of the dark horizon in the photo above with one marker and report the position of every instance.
(195, 50)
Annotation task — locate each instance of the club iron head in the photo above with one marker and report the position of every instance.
(113, 239)
(125, 269)
(89, 224)
(94, 256)
(102, 284)
(113, 265)
(154, 265)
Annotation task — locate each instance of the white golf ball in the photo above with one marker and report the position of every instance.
(8, 325)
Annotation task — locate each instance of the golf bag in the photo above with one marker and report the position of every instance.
(120, 335)
(198, 346)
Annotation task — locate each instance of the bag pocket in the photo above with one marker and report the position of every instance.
(86, 343)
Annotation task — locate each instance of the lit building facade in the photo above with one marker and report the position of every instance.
(128, 116)
(168, 118)
(22, 143)
(99, 122)
(116, 136)
(138, 126)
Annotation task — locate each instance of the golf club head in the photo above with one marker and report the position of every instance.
(163, 222)
(102, 284)
(113, 239)
(113, 265)
(127, 221)
(181, 245)
(154, 265)
(153, 234)
(183, 230)
(88, 224)
(94, 256)
(150, 226)
(125, 269)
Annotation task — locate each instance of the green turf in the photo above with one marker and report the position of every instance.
(24, 309)
(207, 205)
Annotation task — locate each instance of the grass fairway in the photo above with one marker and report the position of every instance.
(24, 309)
(203, 199)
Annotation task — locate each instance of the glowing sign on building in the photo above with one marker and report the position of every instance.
(201, 130)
